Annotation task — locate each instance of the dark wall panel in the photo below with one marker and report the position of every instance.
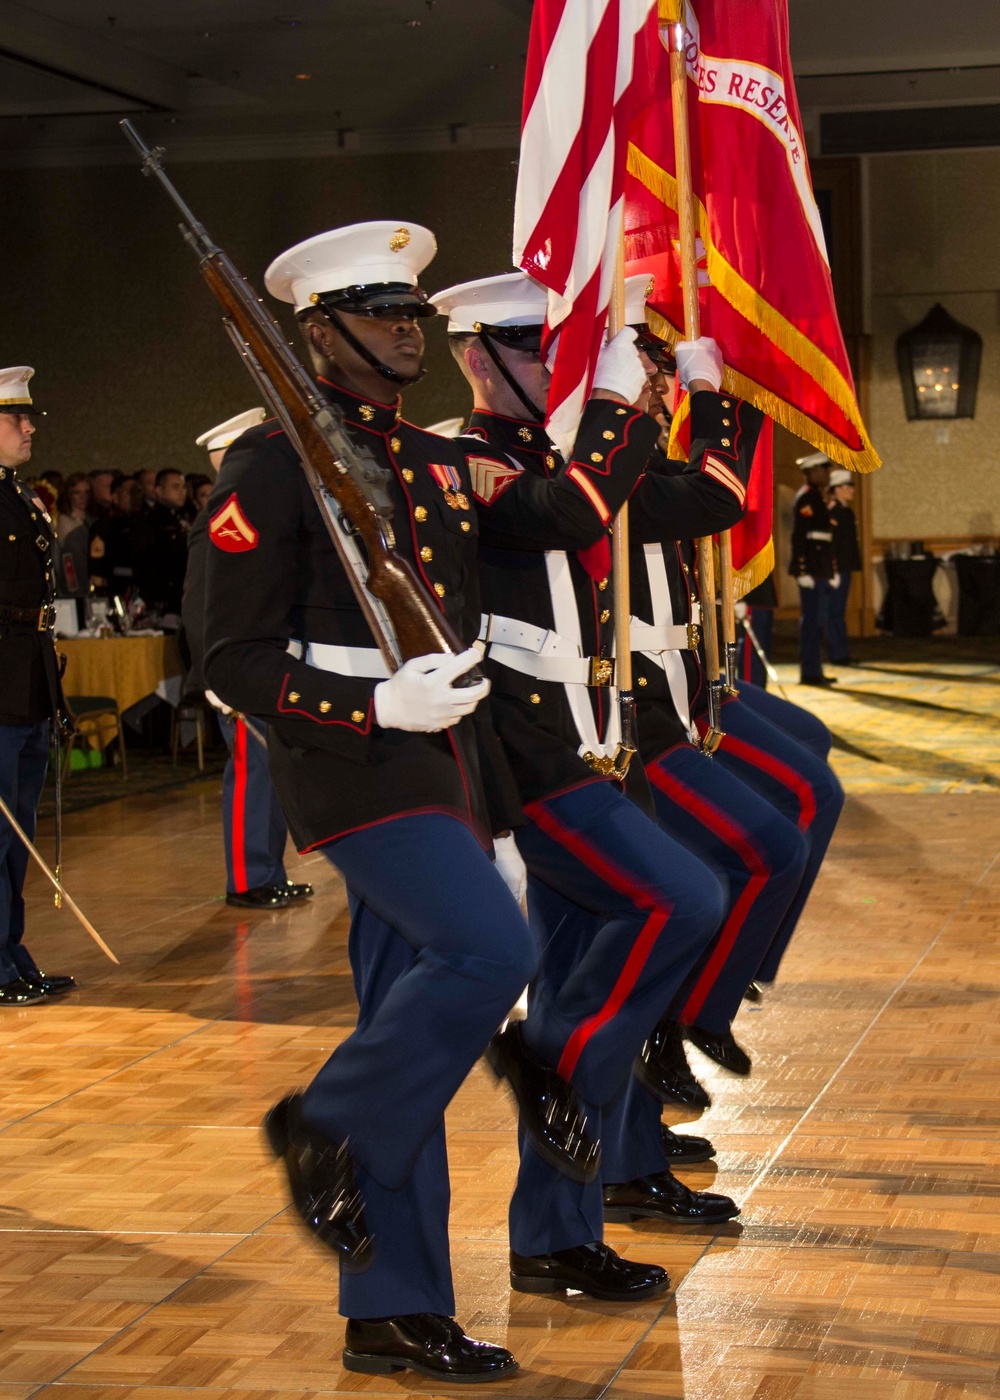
(101, 295)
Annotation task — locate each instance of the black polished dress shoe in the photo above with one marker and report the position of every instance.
(49, 984)
(297, 891)
(20, 993)
(721, 1047)
(663, 1197)
(684, 1148)
(661, 1067)
(594, 1269)
(550, 1112)
(425, 1342)
(755, 992)
(263, 897)
(823, 682)
(323, 1184)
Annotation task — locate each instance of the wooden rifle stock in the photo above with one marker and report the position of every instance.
(405, 619)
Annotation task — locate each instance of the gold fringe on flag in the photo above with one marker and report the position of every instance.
(671, 11)
(798, 347)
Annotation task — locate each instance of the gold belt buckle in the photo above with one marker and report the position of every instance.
(602, 671)
(45, 617)
(694, 636)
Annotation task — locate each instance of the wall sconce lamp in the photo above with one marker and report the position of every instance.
(939, 367)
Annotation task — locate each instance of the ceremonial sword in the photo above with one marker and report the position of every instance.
(60, 888)
(765, 660)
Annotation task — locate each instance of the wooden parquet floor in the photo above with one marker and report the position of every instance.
(146, 1252)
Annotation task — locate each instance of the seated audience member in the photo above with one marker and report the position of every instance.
(73, 531)
(160, 545)
(48, 487)
(101, 504)
(146, 478)
(112, 542)
(199, 488)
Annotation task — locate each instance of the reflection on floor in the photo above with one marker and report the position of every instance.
(145, 1247)
(919, 717)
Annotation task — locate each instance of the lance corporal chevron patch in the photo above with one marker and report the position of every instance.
(230, 530)
(490, 478)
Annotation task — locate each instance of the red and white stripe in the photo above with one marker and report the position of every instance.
(579, 95)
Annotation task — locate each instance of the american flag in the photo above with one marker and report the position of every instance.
(580, 91)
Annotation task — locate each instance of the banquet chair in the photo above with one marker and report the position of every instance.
(92, 714)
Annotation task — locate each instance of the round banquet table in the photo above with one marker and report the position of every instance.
(125, 668)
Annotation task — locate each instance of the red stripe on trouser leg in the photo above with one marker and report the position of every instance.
(757, 868)
(767, 763)
(621, 881)
(239, 807)
(620, 992)
(748, 649)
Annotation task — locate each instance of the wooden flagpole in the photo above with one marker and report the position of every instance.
(619, 557)
(692, 330)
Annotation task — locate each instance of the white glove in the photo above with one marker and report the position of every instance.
(699, 359)
(218, 704)
(619, 368)
(806, 581)
(511, 867)
(420, 696)
(835, 581)
(740, 610)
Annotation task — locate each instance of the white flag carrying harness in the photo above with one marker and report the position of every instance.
(663, 616)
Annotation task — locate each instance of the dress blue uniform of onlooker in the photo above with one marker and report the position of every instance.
(30, 693)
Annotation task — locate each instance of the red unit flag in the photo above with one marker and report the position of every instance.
(765, 291)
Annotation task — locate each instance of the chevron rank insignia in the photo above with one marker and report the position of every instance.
(725, 476)
(490, 478)
(230, 530)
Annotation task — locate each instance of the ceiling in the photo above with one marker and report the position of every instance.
(218, 79)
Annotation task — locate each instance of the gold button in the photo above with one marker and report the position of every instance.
(726, 403)
(535, 698)
(427, 554)
(726, 442)
(608, 436)
(325, 707)
(603, 584)
(407, 475)
(294, 697)
(596, 457)
(466, 526)
(358, 716)
(642, 680)
(726, 423)
(396, 445)
(420, 514)
(621, 412)
(439, 589)
(606, 615)
(12, 538)
(34, 515)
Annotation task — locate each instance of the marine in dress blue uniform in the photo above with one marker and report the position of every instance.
(620, 910)
(399, 782)
(847, 557)
(812, 565)
(30, 693)
(786, 776)
(254, 829)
